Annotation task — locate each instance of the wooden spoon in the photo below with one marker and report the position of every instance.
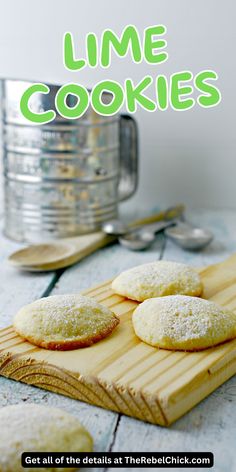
(65, 252)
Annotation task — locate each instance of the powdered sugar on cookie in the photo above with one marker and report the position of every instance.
(156, 279)
(32, 427)
(183, 322)
(65, 322)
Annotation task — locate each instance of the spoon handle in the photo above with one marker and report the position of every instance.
(159, 226)
(169, 214)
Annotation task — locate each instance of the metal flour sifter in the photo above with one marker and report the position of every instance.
(67, 177)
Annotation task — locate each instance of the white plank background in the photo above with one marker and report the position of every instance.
(208, 427)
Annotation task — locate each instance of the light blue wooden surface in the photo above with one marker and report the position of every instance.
(208, 427)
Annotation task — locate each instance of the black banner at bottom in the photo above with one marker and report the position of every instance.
(117, 459)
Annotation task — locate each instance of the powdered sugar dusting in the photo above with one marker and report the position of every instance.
(183, 322)
(63, 318)
(156, 279)
(38, 428)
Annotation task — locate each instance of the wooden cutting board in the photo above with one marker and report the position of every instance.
(124, 374)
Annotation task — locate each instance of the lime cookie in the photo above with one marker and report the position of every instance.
(38, 428)
(183, 323)
(157, 279)
(64, 322)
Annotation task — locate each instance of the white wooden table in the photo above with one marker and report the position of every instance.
(208, 427)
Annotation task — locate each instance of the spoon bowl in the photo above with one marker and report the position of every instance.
(189, 238)
(137, 241)
(115, 227)
(39, 255)
(143, 238)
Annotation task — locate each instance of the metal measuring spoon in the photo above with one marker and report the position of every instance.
(189, 237)
(142, 238)
(115, 227)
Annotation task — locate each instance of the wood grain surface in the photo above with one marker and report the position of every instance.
(123, 374)
(209, 424)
